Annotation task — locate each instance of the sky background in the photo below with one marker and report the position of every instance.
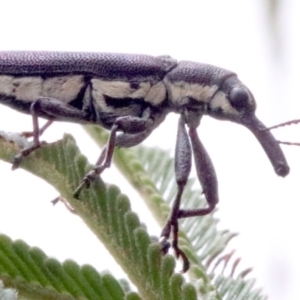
(236, 35)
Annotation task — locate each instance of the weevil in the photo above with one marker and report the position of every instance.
(130, 95)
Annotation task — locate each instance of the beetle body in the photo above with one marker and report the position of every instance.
(132, 94)
(102, 86)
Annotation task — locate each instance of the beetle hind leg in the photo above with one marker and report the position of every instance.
(29, 134)
(51, 109)
(36, 132)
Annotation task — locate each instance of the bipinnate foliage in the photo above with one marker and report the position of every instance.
(108, 214)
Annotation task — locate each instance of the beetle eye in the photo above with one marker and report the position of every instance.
(238, 98)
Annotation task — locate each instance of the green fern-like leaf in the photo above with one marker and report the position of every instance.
(36, 276)
(107, 212)
(153, 177)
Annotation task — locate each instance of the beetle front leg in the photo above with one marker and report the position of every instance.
(135, 130)
(183, 157)
(207, 176)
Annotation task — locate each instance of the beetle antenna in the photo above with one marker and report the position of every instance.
(291, 122)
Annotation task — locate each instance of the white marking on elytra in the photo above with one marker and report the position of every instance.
(63, 88)
(154, 94)
(181, 91)
(23, 88)
(157, 94)
(6, 85)
(119, 89)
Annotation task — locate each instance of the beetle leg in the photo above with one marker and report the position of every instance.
(183, 156)
(125, 140)
(206, 175)
(35, 133)
(29, 134)
(135, 130)
(65, 202)
(51, 109)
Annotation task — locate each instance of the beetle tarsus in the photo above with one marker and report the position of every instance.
(83, 184)
(21, 155)
(180, 254)
(88, 179)
(172, 226)
(164, 246)
(17, 161)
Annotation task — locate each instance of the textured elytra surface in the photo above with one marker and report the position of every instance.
(103, 65)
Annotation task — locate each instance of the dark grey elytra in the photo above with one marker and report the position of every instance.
(131, 95)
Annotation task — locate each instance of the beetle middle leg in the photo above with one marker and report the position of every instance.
(135, 130)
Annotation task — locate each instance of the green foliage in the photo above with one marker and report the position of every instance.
(108, 214)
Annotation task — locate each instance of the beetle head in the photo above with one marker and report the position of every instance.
(234, 102)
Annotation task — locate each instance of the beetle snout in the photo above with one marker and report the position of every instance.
(282, 169)
(269, 144)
